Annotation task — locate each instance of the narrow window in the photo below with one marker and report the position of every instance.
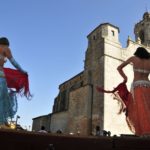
(113, 33)
(94, 37)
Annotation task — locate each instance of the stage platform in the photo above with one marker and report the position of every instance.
(25, 140)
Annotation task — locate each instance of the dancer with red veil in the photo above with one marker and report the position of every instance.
(11, 82)
(135, 103)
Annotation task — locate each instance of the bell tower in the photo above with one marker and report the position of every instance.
(142, 30)
(103, 42)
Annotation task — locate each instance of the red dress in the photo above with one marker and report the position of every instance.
(135, 104)
(139, 107)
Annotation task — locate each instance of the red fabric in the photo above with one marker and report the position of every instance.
(139, 111)
(121, 90)
(17, 80)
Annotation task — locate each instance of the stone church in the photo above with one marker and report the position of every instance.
(79, 107)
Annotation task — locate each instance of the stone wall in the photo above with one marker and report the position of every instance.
(80, 110)
(59, 121)
(41, 121)
(77, 119)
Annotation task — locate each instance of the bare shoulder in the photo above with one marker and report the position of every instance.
(131, 59)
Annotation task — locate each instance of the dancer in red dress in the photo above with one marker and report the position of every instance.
(139, 102)
(135, 103)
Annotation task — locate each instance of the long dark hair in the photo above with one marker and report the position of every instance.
(142, 53)
(4, 41)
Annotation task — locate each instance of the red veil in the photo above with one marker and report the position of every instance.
(17, 80)
(121, 93)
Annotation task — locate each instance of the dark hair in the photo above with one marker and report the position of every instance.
(142, 53)
(4, 41)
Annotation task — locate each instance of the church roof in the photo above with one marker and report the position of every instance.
(72, 78)
(48, 115)
(103, 25)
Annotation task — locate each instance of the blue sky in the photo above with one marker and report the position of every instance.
(48, 39)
